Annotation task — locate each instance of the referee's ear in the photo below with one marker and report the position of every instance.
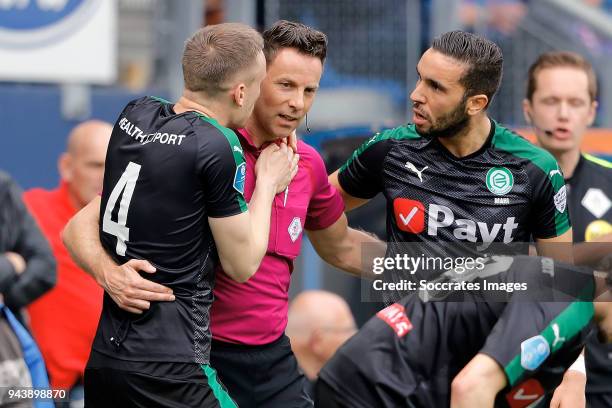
(477, 104)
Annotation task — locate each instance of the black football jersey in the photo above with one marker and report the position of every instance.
(505, 192)
(165, 174)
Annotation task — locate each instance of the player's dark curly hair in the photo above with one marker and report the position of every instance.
(483, 58)
(289, 34)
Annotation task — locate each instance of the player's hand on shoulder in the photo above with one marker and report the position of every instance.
(277, 165)
(130, 291)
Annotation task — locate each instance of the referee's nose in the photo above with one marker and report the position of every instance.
(296, 101)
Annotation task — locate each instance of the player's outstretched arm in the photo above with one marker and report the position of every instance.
(592, 252)
(342, 247)
(350, 202)
(477, 383)
(242, 240)
(129, 290)
(559, 248)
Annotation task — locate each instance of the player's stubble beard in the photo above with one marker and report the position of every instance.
(450, 124)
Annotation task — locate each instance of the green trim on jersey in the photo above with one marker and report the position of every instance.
(597, 160)
(234, 143)
(514, 144)
(225, 401)
(569, 322)
(162, 100)
(398, 133)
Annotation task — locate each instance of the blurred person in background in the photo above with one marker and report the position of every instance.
(319, 322)
(27, 270)
(27, 266)
(64, 320)
(561, 104)
(503, 16)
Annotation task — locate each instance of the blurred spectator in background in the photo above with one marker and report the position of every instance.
(319, 322)
(27, 270)
(503, 16)
(561, 105)
(27, 267)
(605, 5)
(64, 321)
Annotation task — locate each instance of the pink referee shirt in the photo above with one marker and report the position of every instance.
(255, 312)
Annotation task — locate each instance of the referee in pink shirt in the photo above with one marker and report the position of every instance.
(250, 350)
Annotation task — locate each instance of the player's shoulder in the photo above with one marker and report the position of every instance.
(147, 101)
(405, 132)
(597, 164)
(517, 146)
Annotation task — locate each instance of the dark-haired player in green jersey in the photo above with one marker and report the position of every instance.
(455, 175)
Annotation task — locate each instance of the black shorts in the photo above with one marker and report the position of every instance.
(264, 376)
(118, 383)
(382, 366)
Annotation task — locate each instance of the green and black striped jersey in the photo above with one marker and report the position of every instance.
(165, 174)
(507, 191)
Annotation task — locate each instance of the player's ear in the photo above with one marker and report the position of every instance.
(239, 94)
(317, 345)
(527, 111)
(64, 166)
(476, 104)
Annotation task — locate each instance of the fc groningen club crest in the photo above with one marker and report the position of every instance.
(499, 180)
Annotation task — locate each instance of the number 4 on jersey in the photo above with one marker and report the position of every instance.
(126, 184)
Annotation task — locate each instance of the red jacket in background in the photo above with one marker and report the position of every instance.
(64, 320)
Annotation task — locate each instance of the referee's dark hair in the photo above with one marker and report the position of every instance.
(484, 60)
(289, 34)
(216, 53)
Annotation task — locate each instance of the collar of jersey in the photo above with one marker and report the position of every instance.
(247, 143)
(478, 152)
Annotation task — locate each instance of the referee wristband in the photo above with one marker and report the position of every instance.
(579, 365)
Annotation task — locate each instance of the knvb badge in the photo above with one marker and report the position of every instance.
(533, 352)
(35, 23)
(239, 178)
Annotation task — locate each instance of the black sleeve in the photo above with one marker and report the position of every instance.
(40, 274)
(222, 170)
(550, 215)
(361, 175)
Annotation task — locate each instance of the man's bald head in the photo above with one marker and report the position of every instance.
(319, 322)
(82, 165)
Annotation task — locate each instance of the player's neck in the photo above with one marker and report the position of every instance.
(470, 139)
(568, 161)
(190, 101)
